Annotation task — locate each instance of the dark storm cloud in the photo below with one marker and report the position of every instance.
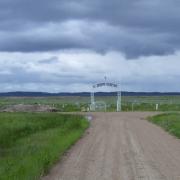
(133, 27)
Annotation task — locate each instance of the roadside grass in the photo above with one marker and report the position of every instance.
(168, 121)
(30, 143)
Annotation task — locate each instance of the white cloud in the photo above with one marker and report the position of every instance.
(77, 70)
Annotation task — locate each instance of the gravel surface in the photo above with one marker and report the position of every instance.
(28, 108)
(121, 146)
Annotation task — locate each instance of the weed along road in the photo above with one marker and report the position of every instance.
(121, 146)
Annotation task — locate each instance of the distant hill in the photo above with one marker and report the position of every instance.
(124, 93)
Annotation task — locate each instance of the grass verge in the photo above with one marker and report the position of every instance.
(30, 143)
(169, 121)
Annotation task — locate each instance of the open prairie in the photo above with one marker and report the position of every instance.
(118, 145)
(77, 103)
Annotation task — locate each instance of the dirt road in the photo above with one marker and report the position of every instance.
(121, 146)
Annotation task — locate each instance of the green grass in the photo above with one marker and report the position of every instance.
(31, 143)
(77, 103)
(170, 122)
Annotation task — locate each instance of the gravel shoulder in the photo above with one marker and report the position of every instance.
(121, 146)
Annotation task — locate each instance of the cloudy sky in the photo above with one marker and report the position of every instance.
(67, 45)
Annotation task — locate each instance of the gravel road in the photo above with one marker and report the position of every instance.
(121, 146)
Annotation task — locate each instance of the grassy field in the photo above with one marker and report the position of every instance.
(31, 143)
(170, 122)
(77, 103)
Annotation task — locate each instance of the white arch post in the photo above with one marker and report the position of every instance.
(118, 101)
(92, 106)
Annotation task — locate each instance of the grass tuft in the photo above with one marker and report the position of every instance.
(30, 143)
(168, 121)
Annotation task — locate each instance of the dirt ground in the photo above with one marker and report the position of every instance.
(121, 146)
(28, 108)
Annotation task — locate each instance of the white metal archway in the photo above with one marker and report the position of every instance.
(106, 84)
